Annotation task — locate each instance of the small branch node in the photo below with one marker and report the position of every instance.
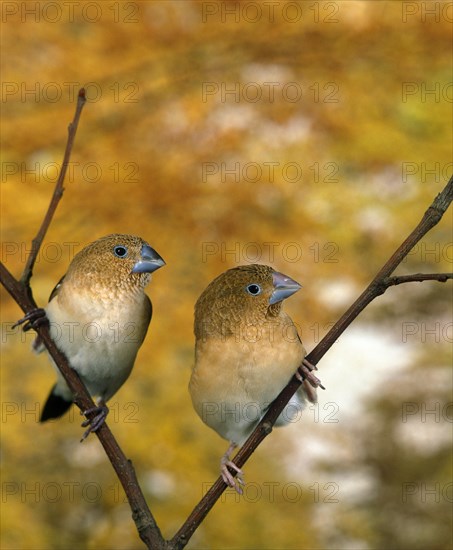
(267, 428)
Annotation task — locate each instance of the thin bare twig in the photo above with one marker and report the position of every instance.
(378, 286)
(417, 277)
(21, 292)
(57, 194)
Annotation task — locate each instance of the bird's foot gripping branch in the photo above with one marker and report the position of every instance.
(307, 369)
(97, 416)
(33, 319)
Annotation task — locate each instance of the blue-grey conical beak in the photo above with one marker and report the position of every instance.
(150, 261)
(284, 287)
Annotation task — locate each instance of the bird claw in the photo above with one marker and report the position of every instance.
(307, 374)
(96, 421)
(235, 483)
(227, 476)
(33, 319)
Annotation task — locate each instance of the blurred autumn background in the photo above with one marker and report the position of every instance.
(311, 136)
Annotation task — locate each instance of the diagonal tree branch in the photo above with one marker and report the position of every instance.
(381, 282)
(22, 293)
(146, 525)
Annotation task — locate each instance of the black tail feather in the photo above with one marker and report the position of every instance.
(55, 406)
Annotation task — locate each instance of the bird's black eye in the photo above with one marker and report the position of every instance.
(120, 251)
(253, 289)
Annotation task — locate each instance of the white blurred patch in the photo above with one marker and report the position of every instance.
(429, 436)
(363, 359)
(160, 483)
(84, 456)
(262, 72)
(231, 117)
(294, 130)
(373, 219)
(338, 293)
(175, 119)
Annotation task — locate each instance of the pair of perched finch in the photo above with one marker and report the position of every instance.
(246, 347)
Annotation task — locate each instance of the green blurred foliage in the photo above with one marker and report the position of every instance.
(152, 155)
